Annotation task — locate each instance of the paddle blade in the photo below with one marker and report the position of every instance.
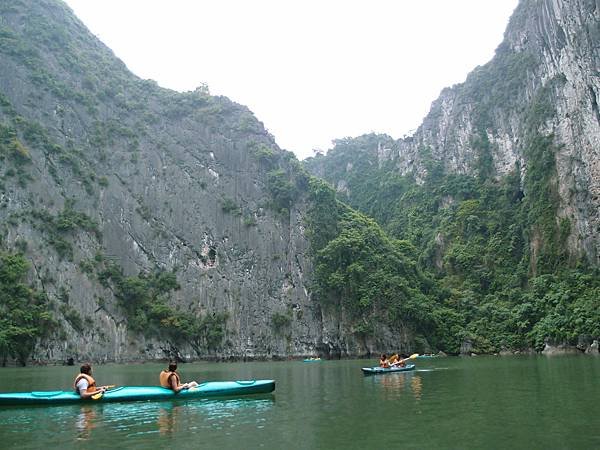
(413, 356)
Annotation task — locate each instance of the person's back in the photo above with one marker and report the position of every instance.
(85, 384)
(169, 379)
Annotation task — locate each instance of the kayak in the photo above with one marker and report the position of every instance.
(137, 393)
(427, 356)
(312, 360)
(380, 370)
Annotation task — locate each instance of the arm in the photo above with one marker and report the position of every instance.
(86, 394)
(83, 392)
(176, 388)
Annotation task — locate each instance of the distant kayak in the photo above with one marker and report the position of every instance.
(312, 360)
(381, 370)
(427, 356)
(137, 393)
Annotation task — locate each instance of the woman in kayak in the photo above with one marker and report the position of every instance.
(170, 379)
(85, 385)
(397, 360)
(383, 362)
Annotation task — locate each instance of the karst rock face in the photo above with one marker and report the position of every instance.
(169, 181)
(544, 80)
(102, 170)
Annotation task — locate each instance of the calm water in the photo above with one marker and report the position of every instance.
(454, 403)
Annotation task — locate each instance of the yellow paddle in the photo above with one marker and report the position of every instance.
(99, 395)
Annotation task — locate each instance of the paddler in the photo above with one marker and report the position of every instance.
(169, 379)
(85, 385)
(383, 362)
(397, 360)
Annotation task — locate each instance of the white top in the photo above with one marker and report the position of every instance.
(82, 385)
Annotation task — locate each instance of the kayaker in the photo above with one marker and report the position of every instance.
(399, 361)
(393, 359)
(383, 362)
(169, 379)
(85, 385)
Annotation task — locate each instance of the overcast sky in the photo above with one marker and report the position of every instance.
(310, 70)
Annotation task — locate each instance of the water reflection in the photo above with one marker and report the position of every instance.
(416, 384)
(167, 417)
(85, 422)
(396, 384)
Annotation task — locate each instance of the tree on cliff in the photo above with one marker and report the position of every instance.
(23, 310)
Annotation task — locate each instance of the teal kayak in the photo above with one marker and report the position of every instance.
(380, 370)
(138, 393)
(427, 356)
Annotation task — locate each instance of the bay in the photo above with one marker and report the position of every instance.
(447, 403)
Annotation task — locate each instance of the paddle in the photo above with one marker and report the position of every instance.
(99, 395)
(397, 363)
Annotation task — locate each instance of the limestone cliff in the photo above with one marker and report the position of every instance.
(543, 80)
(113, 169)
(139, 207)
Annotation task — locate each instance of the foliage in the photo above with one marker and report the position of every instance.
(24, 316)
(229, 205)
(58, 228)
(280, 321)
(369, 275)
(490, 254)
(144, 299)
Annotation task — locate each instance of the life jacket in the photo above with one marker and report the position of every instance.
(165, 376)
(91, 382)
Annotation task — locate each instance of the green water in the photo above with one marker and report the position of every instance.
(448, 403)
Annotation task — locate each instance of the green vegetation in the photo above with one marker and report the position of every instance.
(459, 257)
(144, 299)
(279, 321)
(24, 316)
(229, 206)
(286, 178)
(58, 228)
(375, 279)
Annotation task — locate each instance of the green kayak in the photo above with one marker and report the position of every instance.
(380, 370)
(137, 393)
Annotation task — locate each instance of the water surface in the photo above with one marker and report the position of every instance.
(448, 403)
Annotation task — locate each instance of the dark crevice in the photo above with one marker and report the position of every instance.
(594, 103)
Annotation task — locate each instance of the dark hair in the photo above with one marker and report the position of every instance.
(383, 356)
(86, 368)
(172, 366)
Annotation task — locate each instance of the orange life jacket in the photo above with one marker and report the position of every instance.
(91, 382)
(165, 376)
(384, 363)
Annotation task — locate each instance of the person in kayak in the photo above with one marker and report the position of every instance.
(383, 362)
(169, 379)
(398, 360)
(85, 385)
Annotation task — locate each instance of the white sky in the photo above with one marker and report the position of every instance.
(310, 70)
